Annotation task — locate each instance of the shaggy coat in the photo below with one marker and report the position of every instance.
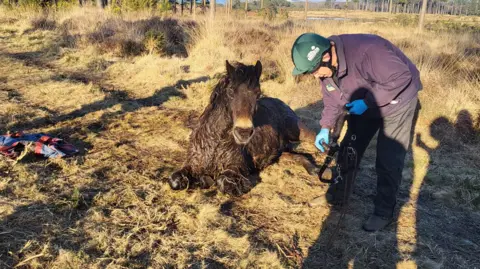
(238, 134)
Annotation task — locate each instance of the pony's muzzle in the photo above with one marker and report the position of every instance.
(242, 134)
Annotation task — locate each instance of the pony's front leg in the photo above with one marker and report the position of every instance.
(180, 179)
(233, 183)
(183, 179)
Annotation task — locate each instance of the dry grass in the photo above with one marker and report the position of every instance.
(129, 113)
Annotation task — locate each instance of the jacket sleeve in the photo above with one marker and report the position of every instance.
(331, 110)
(387, 72)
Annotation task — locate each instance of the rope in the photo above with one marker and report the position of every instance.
(349, 158)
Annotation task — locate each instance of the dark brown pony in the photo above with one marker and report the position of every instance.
(239, 133)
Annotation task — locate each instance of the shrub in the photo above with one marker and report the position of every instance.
(130, 48)
(406, 20)
(154, 42)
(268, 13)
(283, 14)
(42, 23)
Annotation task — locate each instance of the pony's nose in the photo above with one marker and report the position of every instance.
(243, 133)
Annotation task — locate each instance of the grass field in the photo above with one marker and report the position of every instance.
(126, 88)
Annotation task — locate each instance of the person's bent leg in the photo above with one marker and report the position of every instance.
(362, 129)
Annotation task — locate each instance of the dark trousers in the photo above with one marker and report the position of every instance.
(394, 135)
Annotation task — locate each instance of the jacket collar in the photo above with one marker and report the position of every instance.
(342, 65)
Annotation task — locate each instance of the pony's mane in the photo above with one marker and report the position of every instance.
(243, 74)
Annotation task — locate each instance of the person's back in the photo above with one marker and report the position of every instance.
(369, 58)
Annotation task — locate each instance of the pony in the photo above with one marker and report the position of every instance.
(239, 133)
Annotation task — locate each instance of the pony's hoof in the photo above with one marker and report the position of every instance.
(203, 182)
(229, 187)
(233, 186)
(206, 182)
(178, 181)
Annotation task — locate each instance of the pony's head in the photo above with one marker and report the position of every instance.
(243, 91)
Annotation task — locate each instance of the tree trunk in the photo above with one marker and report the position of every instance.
(194, 9)
(181, 7)
(306, 8)
(390, 5)
(246, 8)
(261, 4)
(212, 9)
(100, 4)
(422, 15)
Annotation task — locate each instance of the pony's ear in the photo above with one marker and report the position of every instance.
(230, 69)
(258, 69)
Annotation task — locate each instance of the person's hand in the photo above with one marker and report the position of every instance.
(357, 107)
(322, 137)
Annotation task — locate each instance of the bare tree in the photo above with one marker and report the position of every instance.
(101, 3)
(194, 9)
(212, 9)
(306, 8)
(246, 8)
(422, 16)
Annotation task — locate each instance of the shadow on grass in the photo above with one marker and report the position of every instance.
(113, 96)
(439, 228)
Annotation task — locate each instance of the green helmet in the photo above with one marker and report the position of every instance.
(307, 52)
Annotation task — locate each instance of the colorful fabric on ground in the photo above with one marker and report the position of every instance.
(12, 145)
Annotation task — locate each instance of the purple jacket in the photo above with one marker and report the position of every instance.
(369, 68)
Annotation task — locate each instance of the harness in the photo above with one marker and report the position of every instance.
(346, 165)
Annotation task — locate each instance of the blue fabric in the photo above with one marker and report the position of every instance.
(322, 137)
(43, 145)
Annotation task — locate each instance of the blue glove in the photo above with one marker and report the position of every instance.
(322, 137)
(357, 107)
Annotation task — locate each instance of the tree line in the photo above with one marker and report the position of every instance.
(452, 7)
